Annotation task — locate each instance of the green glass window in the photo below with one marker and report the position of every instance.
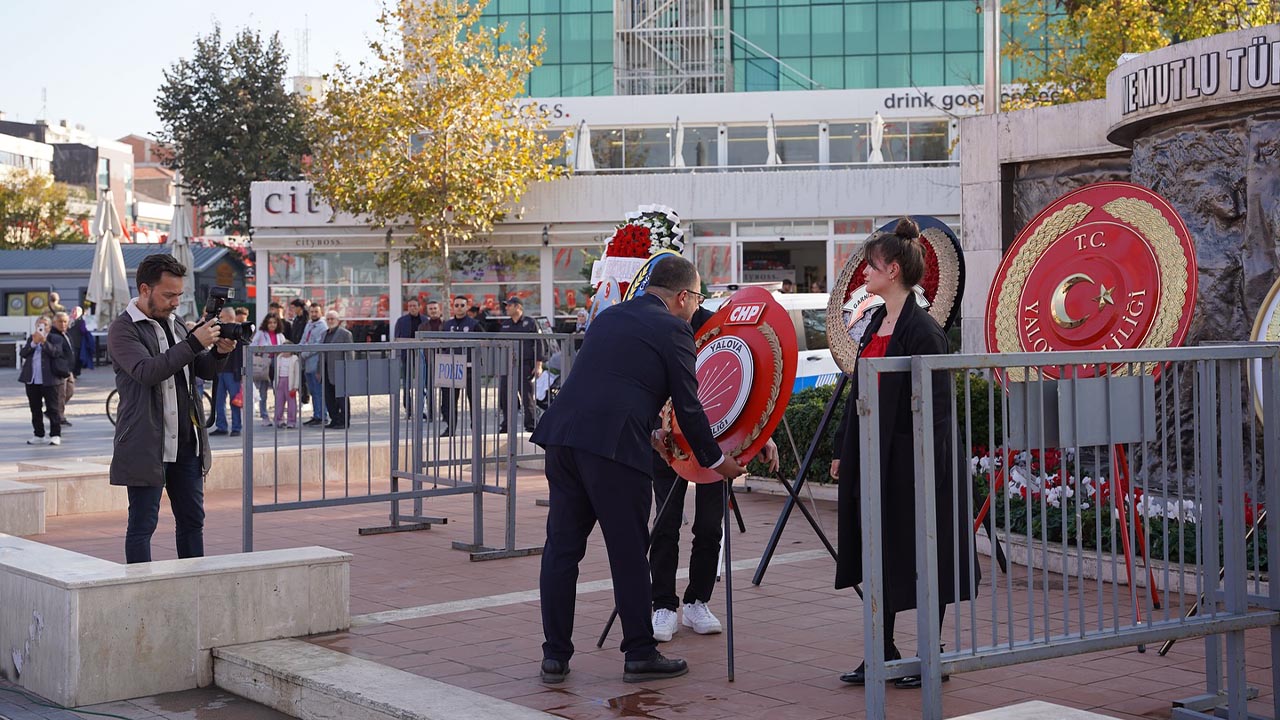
(549, 28)
(926, 26)
(761, 28)
(761, 74)
(860, 31)
(547, 7)
(828, 72)
(575, 79)
(793, 31)
(602, 79)
(575, 38)
(860, 72)
(894, 71)
(575, 6)
(512, 7)
(545, 82)
(894, 27)
(827, 27)
(963, 26)
(602, 34)
(927, 69)
(795, 75)
(964, 69)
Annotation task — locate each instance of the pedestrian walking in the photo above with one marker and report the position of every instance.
(40, 358)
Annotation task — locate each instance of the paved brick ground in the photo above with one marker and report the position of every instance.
(794, 633)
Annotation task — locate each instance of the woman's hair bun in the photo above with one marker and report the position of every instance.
(907, 229)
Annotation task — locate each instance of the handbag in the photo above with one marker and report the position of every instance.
(238, 399)
(262, 368)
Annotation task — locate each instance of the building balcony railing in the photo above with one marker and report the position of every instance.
(717, 169)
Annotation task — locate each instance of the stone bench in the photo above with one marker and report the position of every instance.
(21, 508)
(79, 630)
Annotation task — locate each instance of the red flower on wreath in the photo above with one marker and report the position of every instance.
(630, 241)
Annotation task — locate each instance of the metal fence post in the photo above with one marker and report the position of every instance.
(926, 559)
(872, 582)
(246, 452)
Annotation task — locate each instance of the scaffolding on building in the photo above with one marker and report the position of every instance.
(671, 47)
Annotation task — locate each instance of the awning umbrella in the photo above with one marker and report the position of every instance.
(771, 140)
(877, 139)
(180, 248)
(582, 159)
(677, 148)
(108, 282)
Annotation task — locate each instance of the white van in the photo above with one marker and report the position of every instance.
(808, 313)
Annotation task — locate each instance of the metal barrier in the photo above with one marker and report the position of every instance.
(404, 422)
(1129, 483)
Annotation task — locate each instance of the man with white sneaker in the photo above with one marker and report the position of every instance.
(664, 552)
(42, 356)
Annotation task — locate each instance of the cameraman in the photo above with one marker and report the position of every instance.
(160, 441)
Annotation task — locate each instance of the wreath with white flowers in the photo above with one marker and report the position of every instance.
(646, 231)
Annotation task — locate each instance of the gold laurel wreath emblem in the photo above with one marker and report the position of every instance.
(775, 348)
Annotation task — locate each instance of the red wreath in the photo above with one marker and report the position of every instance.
(631, 241)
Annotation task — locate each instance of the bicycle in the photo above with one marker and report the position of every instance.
(113, 403)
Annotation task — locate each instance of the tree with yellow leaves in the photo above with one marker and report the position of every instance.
(1072, 45)
(429, 134)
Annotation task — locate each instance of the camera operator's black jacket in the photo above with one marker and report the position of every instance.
(141, 369)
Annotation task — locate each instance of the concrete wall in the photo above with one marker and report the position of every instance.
(994, 149)
(78, 630)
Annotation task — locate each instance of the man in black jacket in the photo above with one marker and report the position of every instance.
(599, 461)
(41, 356)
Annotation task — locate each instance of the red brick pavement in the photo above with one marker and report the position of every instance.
(794, 633)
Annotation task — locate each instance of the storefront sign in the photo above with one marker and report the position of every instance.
(1242, 66)
(292, 204)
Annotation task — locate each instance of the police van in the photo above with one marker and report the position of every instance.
(808, 313)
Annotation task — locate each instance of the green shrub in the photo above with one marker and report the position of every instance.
(804, 412)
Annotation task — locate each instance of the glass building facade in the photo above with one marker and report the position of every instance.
(776, 44)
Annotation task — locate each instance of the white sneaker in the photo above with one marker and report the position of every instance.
(38, 440)
(698, 616)
(55, 440)
(664, 625)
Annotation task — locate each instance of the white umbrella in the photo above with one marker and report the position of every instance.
(582, 159)
(180, 248)
(877, 139)
(771, 140)
(108, 282)
(677, 158)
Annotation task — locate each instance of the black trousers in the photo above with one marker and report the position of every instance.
(524, 386)
(46, 396)
(664, 556)
(337, 407)
(586, 488)
(184, 483)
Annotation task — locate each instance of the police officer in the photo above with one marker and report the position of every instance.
(530, 357)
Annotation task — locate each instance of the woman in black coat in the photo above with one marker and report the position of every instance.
(901, 328)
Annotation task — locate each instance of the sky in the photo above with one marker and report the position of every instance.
(102, 62)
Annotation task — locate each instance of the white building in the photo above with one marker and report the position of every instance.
(750, 218)
(21, 154)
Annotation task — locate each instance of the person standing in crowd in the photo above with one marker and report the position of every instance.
(899, 328)
(53, 308)
(82, 341)
(599, 461)
(450, 397)
(528, 361)
(288, 380)
(40, 357)
(407, 326)
(338, 408)
(64, 369)
(435, 318)
(788, 286)
(264, 364)
(297, 320)
(704, 558)
(160, 444)
(226, 389)
(313, 334)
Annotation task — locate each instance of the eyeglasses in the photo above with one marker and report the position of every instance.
(701, 298)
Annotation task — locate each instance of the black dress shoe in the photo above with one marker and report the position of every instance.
(554, 671)
(314, 421)
(235, 433)
(217, 432)
(66, 422)
(913, 682)
(859, 676)
(658, 667)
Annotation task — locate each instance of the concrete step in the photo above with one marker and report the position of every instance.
(315, 683)
(21, 508)
(1034, 710)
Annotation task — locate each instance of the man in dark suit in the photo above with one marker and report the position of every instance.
(599, 461)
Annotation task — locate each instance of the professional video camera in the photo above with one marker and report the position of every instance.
(218, 296)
